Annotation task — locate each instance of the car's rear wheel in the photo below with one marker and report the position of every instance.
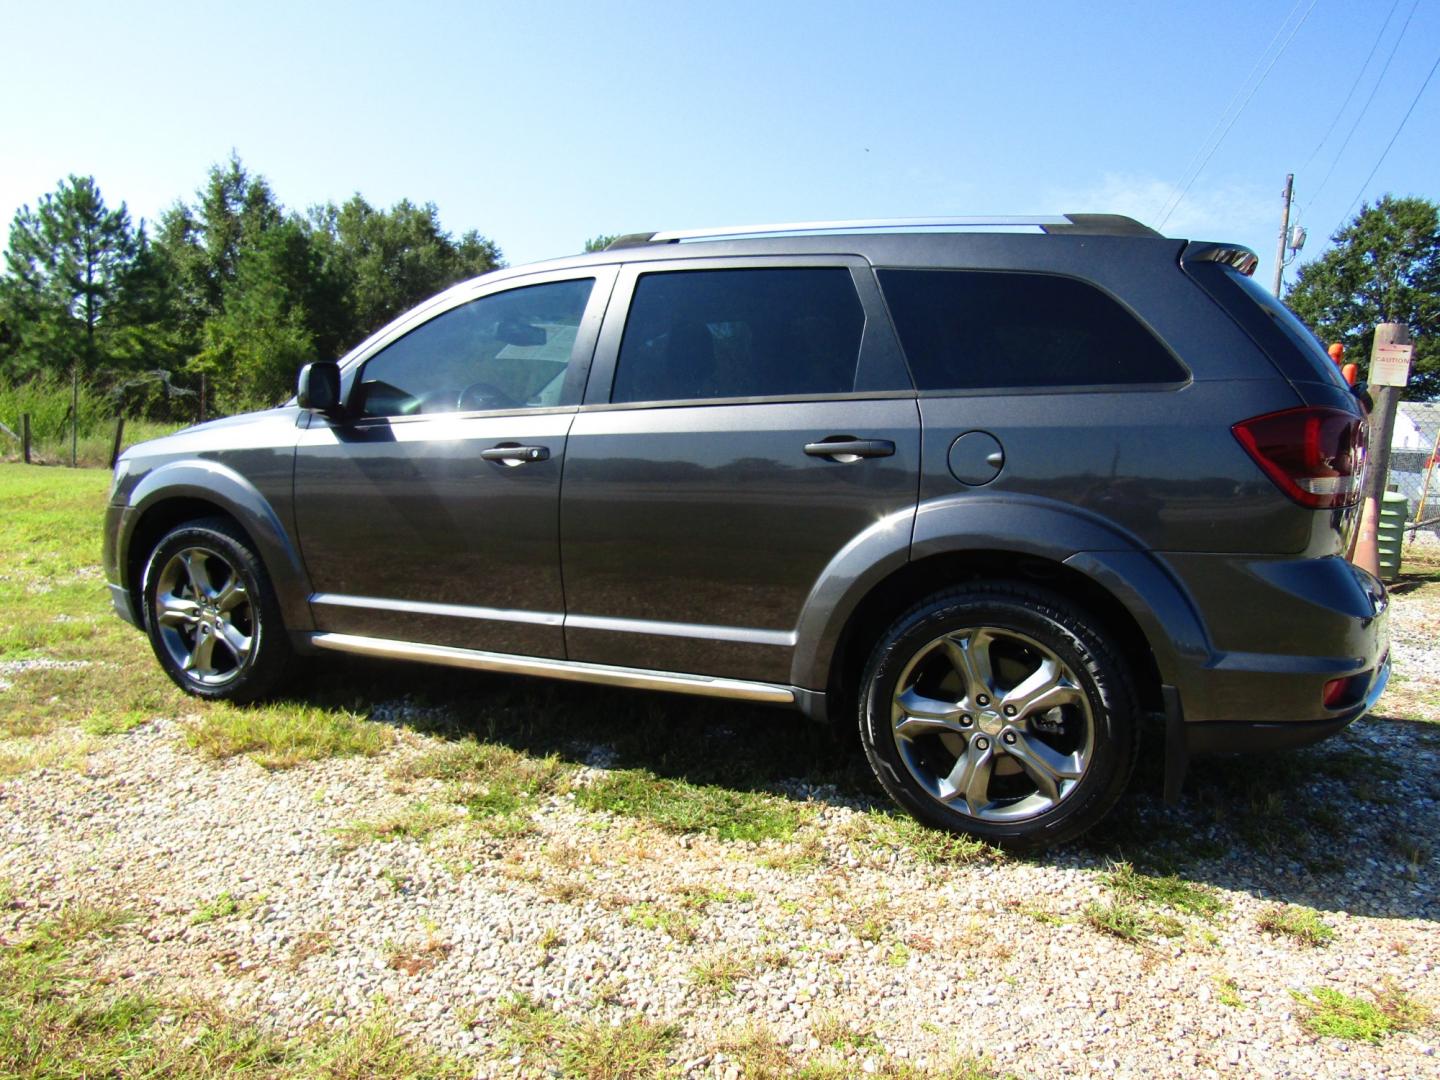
(1000, 710)
(212, 615)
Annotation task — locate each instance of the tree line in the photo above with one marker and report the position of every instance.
(236, 288)
(232, 286)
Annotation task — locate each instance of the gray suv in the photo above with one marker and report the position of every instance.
(993, 491)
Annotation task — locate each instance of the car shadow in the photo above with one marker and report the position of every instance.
(1348, 825)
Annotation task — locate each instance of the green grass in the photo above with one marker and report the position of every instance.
(284, 734)
(682, 807)
(1340, 1016)
(54, 607)
(1302, 924)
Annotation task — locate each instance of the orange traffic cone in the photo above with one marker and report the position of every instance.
(1367, 539)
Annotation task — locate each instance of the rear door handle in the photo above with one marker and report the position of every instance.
(515, 454)
(840, 448)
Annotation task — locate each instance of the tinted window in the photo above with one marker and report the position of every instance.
(964, 329)
(740, 333)
(508, 350)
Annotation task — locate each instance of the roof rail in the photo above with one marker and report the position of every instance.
(1083, 224)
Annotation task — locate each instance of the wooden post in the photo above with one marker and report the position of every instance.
(1377, 469)
(202, 397)
(25, 435)
(74, 414)
(119, 434)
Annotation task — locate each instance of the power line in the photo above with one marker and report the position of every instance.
(1391, 143)
(1385, 70)
(1239, 89)
(1353, 86)
(1175, 205)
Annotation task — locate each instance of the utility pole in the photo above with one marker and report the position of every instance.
(1284, 231)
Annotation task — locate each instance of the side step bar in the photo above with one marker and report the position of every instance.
(571, 670)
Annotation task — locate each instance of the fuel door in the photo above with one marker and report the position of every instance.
(976, 458)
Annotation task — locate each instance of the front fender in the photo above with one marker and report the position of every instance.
(224, 488)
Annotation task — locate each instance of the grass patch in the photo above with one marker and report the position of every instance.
(1335, 1015)
(682, 925)
(61, 750)
(1124, 919)
(224, 906)
(284, 735)
(1300, 923)
(679, 806)
(1169, 891)
(719, 974)
(58, 1024)
(634, 1048)
(416, 822)
(888, 830)
(761, 1056)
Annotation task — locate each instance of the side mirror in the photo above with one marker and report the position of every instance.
(318, 387)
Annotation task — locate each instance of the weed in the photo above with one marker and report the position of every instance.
(1228, 992)
(885, 829)
(223, 906)
(1119, 918)
(1169, 891)
(1301, 923)
(416, 822)
(700, 897)
(1340, 1016)
(720, 973)
(681, 925)
(413, 961)
(544, 1040)
(311, 943)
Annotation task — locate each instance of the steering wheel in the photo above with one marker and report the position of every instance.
(483, 395)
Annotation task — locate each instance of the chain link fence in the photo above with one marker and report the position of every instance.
(1414, 470)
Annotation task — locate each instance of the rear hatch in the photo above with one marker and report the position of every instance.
(1315, 453)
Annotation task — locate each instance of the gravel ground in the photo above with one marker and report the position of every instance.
(992, 957)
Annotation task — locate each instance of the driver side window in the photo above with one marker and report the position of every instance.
(509, 350)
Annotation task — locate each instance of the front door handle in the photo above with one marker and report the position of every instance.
(514, 454)
(845, 449)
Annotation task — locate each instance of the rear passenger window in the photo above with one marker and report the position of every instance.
(740, 333)
(970, 330)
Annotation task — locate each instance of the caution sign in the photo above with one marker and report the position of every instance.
(1390, 365)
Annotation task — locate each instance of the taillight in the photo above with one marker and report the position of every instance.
(1314, 455)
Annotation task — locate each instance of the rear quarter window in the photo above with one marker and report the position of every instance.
(974, 330)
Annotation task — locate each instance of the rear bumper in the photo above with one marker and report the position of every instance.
(1279, 631)
(1251, 737)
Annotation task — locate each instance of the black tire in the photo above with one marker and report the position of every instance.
(206, 592)
(1077, 753)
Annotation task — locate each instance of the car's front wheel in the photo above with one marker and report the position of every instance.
(1000, 710)
(212, 615)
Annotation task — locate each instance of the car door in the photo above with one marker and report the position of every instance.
(745, 420)
(428, 512)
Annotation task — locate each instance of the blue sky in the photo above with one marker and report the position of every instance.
(541, 124)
